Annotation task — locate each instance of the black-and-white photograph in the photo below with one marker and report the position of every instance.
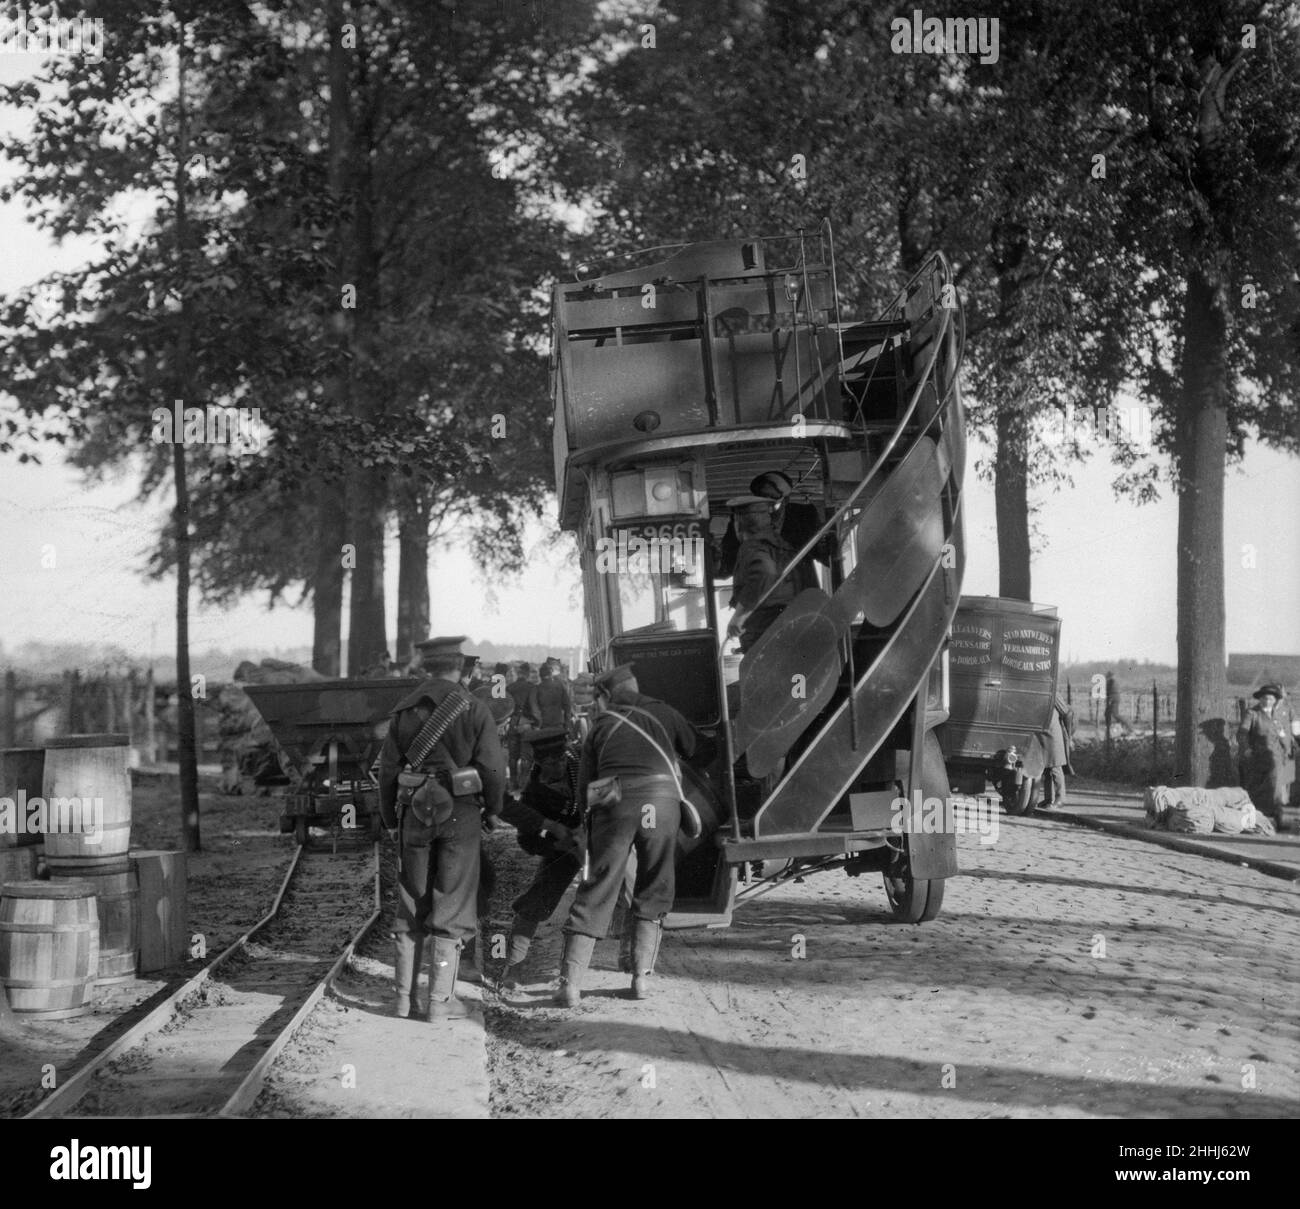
(649, 559)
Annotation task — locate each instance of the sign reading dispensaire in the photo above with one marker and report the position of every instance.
(971, 646)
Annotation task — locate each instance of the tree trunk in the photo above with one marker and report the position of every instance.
(187, 748)
(412, 579)
(1202, 753)
(367, 627)
(327, 581)
(1011, 505)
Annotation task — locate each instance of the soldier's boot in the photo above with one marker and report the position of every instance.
(577, 957)
(645, 949)
(521, 940)
(625, 943)
(408, 950)
(469, 971)
(443, 1004)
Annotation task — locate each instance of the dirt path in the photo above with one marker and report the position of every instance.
(1070, 974)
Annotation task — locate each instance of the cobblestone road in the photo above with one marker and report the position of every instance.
(1071, 973)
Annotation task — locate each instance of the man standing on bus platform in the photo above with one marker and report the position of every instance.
(634, 741)
(763, 555)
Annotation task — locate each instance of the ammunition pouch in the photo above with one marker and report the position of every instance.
(430, 795)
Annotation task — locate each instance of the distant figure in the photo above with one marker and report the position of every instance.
(380, 669)
(469, 677)
(527, 716)
(494, 693)
(1264, 747)
(1113, 717)
(1059, 731)
(554, 700)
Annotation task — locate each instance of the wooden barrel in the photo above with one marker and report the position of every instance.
(117, 902)
(80, 771)
(21, 768)
(49, 948)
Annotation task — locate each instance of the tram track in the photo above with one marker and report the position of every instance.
(206, 1049)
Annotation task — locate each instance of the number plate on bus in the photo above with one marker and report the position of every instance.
(682, 531)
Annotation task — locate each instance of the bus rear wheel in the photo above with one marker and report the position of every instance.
(913, 900)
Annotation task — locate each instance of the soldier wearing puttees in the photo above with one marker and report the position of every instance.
(646, 818)
(549, 825)
(438, 875)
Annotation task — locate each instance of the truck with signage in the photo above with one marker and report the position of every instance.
(1003, 661)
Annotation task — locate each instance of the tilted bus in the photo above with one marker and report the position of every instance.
(677, 378)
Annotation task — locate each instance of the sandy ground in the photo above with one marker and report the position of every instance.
(1071, 974)
(232, 883)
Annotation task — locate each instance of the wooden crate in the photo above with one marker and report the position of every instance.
(164, 908)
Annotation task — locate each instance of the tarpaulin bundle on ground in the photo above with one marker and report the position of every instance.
(249, 755)
(1228, 811)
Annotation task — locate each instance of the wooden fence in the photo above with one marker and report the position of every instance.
(34, 709)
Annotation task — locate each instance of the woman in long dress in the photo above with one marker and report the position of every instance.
(1265, 748)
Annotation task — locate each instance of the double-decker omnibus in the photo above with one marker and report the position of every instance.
(678, 376)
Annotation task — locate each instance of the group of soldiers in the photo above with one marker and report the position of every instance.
(454, 738)
(588, 774)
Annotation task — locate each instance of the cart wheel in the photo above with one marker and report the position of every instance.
(300, 830)
(913, 901)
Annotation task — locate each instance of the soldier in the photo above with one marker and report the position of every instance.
(549, 822)
(554, 702)
(763, 555)
(439, 855)
(527, 716)
(634, 743)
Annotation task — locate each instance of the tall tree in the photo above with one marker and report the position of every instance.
(1210, 140)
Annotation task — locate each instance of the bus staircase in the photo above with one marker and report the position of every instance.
(822, 691)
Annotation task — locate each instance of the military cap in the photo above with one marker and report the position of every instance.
(615, 676)
(751, 503)
(441, 646)
(780, 483)
(1268, 688)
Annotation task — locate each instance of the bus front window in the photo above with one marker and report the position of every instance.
(662, 590)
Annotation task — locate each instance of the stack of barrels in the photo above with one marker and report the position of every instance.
(61, 938)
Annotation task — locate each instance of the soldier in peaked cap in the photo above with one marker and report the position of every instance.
(762, 557)
(439, 856)
(636, 740)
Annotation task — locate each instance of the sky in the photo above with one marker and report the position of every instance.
(71, 555)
